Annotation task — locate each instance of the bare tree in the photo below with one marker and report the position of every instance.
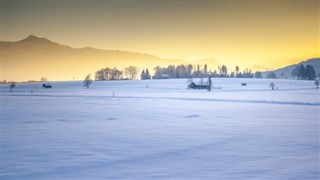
(210, 82)
(87, 81)
(43, 79)
(237, 70)
(116, 74)
(224, 71)
(272, 85)
(316, 82)
(131, 72)
(12, 85)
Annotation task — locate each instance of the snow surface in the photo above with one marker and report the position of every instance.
(158, 129)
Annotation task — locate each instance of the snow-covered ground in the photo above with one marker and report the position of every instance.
(158, 129)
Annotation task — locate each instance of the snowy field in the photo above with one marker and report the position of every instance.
(158, 129)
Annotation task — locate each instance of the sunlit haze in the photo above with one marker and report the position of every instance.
(269, 34)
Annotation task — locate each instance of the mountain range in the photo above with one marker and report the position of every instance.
(56, 61)
(35, 57)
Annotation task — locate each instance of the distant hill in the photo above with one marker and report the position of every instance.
(34, 57)
(286, 71)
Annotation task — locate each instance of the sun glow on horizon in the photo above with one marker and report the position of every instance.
(246, 34)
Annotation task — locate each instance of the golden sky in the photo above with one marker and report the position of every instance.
(246, 33)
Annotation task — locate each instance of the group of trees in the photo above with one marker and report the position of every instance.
(172, 71)
(300, 71)
(303, 72)
(197, 71)
(272, 75)
(247, 73)
(107, 73)
(145, 74)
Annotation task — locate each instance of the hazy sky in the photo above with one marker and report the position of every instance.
(245, 33)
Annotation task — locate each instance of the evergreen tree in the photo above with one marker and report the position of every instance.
(157, 72)
(272, 75)
(189, 70)
(258, 74)
(310, 73)
(143, 75)
(295, 71)
(237, 71)
(205, 69)
(147, 76)
(302, 72)
(224, 71)
(232, 75)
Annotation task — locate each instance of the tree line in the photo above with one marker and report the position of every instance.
(173, 71)
(198, 71)
(304, 72)
(195, 71)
